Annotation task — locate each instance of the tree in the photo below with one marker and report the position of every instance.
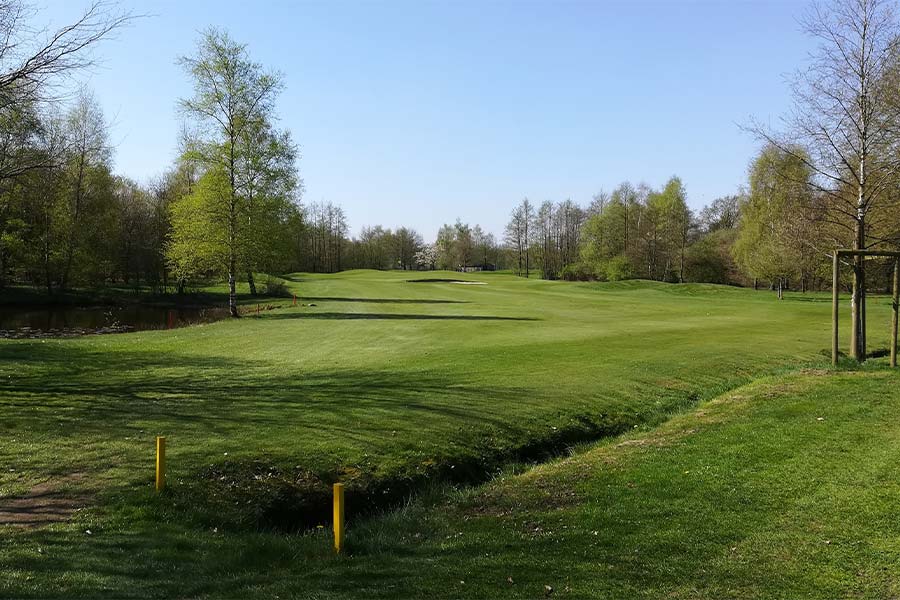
(845, 120)
(484, 247)
(407, 242)
(322, 238)
(678, 222)
(770, 243)
(518, 235)
(267, 179)
(709, 259)
(88, 177)
(33, 63)
(426, 258)
(233, 104)
(463, 243)
(201, 241)
(721, 213)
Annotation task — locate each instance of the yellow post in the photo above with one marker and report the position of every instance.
(160, 463)
(338, 517)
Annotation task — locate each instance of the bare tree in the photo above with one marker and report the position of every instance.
(846, 119)
(518, 235)
(88, 146)
(33, 61)
(33, 64)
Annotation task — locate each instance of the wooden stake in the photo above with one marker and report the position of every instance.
(835, 309)
(338, 517)
(895, 308)
(160, 463)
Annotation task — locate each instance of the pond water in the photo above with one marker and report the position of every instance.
(16, 322)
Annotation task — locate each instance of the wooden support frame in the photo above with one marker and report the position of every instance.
(835, 298)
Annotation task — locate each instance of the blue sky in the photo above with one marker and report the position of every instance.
(416, 113)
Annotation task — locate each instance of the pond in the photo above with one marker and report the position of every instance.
(63, 321)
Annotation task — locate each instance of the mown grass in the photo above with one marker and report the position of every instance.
(785, 488)
(383, 384)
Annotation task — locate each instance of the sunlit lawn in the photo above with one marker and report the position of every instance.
(383, 384)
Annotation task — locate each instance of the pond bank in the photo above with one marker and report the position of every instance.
(26, 313)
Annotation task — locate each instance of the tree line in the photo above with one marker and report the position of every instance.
(230, 205)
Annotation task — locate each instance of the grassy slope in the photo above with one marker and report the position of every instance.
(784, 488)
(381, 380)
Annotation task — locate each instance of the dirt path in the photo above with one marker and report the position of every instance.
(43, 504)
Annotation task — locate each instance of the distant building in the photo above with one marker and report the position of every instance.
(477, 267)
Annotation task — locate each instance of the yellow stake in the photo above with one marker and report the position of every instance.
(160, 463)
(338, 517)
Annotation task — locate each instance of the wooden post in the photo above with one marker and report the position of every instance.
(895, 307)
(835, 309)
(338, 517)
(160, 463)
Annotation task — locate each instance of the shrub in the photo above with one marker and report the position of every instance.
(617, 269)
(276, 287)
(577, 272)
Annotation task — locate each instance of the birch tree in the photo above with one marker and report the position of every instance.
(846, 120)
(234, 99)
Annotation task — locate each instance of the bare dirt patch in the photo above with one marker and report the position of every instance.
(45, 503)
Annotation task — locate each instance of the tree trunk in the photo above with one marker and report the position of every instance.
(862, 316)
(232, 295)
(232, 232)
(76, 213)
(251, 283)
(857, 331)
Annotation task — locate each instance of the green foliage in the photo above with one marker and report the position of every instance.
(199, 241)
(773, 231)
(252, 163)
(276, 287)
(617, 268)
(579, 271)
(603, 234)
(709, 259)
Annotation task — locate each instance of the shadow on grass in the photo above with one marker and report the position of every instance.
(100, 391)
(290, 434)
(380, 300)
(392, 317)
(162, 561)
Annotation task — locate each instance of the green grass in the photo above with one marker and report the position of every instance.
(387, 386)
(785, 488)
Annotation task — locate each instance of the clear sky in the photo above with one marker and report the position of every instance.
(416, 113)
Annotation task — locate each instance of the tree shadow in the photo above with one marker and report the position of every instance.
(272, 437)
(392, 316)
(381, 300)
(817, 299)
